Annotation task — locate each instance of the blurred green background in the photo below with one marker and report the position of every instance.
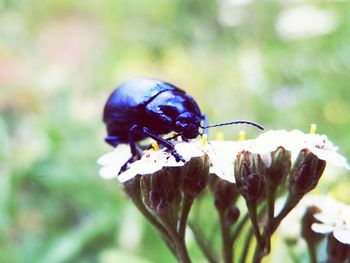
(284, 64)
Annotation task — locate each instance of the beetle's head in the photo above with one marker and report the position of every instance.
(187, 124)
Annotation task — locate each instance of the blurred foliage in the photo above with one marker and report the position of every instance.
(60, 59)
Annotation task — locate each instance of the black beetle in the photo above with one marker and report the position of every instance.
(145, 107)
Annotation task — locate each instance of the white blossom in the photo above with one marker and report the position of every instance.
(334, 218)
(295, 141)
(222, 154)
(113, 161)
(150, 162)
(330, 209)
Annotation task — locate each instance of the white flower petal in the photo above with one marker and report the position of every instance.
(320, 228)
(171, 162)
(342, 235)
(141, 167)
(150, 162)
(127, 175)
(120, 154)
(113, 161)
(225, 174)
(109, 172)
(327, 216)
(267, 159)
(189, 150)
(222, 156)
(334, 158)
(291, 141)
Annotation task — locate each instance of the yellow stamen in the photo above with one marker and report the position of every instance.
(155, 146)
(313, 128)
(219, 136)
(204, 139)
(241, 136)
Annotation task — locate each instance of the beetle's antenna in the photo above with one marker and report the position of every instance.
(235, 122)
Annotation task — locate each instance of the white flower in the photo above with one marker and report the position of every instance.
(336, 219)
(290, 140)
(193, 148)
(325, 150)
(294, 141)
(112, 162)
(154, 160)
(222, 155)
(329, 207)
(150, 162)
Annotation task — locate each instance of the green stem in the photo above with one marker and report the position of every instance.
(243, 221)
(150, 217)
(226, 239)
(181, 250)
(239, 228)
(203, 244)
(312, 252)
(291, 202)
(252, 210)
(246, 246)
(273, 224)
(271, 195)
(186, 207)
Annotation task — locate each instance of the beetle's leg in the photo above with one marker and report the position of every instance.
(206, 123)
(112, 140)
(133, 148)
(135, 153)
(165, 143)
(125, 165)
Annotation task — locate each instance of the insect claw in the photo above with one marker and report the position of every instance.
(177, 156)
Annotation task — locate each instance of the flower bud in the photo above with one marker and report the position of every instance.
(337, 252)
(250, 174)
(306, 172)
(251, 186)
(280, 166)
(252, 161)
(232, 215)
(161, 189)
(225, 194)
(195, 175)
(132, 187)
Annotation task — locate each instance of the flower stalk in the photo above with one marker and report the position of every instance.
(185, 211)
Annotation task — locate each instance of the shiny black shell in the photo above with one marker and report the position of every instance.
(149, 103)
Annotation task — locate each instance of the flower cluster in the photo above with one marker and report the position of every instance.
(259, 170)
(222, 154)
